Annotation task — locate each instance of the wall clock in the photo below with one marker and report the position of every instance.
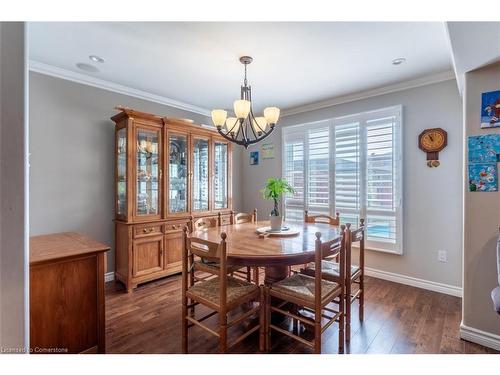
(432, 141)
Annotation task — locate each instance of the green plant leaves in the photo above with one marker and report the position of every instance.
(275, 187)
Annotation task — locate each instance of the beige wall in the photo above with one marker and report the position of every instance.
(71, 146)
(481, 217)
(432, 197)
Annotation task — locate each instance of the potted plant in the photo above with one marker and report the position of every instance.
(275, 188)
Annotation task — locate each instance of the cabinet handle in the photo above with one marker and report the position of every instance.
(148, 230)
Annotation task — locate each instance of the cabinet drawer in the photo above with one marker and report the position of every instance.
(175, 226)
(146, 230)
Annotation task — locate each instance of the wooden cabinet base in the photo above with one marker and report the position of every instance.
(149, 251)
(67, 294)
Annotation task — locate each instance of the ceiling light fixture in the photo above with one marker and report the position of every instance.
(87, 67)
(245, 129)
(97, 59)
(398, 61)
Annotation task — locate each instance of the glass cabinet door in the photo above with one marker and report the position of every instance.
(177, 173)
(148, 170)
(220, 175)
(200, 174)
(121, 172)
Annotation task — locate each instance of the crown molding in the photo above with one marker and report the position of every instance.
(50, 70)
(400, 86)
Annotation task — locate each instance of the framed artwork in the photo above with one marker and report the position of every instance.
(268, 151)
(484, 154)
(484, 148)
(483, 177)
(490, 109)
(254, 157)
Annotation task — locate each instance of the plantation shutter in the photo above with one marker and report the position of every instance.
(318, 173)
(351, 165)
(383, 203)
(347, 160)
(294, 173)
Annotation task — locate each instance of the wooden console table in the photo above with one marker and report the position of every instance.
(67, 294)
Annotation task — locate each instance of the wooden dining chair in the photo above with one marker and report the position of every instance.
(312, 294)
(354, 274)
(322, 218)
(222, 294)
(244, 217)
(210, 267)
(203, 223)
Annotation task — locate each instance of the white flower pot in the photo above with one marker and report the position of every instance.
(276, 222)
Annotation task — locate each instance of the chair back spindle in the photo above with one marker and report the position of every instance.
(243, 217)
(203, 223)
(322, 218)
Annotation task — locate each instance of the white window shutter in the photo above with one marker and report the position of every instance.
(351, 165)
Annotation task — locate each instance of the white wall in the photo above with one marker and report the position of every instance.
(72, 146)
(432, 197)
(13, 245)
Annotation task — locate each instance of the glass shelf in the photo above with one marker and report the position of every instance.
(121, 171)
(200, 174)
(220, 175)
(177, 183)
(147, 198)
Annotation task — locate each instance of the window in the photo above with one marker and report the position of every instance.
(351, 165)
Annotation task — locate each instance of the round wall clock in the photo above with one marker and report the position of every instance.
(432, 141)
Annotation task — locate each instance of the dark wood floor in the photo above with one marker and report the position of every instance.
(398, 319)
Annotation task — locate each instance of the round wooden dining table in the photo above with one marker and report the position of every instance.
(276, 253)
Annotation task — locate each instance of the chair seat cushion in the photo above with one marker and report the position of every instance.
(213, 267)
(329, 269)
(210, 290)
(302, 286)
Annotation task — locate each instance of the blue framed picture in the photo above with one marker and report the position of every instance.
(483, 177)
(490, 109)
(484, 148)
(254, 157)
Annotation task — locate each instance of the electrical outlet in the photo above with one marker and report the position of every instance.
(442, 256)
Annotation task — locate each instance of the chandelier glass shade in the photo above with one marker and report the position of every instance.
(244, 128)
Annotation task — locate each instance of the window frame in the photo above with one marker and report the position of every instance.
(331, 123)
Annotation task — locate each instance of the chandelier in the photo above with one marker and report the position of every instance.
(245, 129)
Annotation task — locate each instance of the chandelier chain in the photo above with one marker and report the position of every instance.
(245, 80)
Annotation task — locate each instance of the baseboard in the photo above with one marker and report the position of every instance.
(110, 276)
(413, 281)
(477, 336)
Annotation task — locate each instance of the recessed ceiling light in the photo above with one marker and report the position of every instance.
(398, 61)
(97, 59)
(87, 67)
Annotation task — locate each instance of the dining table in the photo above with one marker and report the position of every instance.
(245, 246)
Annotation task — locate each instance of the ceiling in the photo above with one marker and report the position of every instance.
(197, 63)
(474, 44)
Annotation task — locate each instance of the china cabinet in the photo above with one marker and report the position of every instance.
(167, 171)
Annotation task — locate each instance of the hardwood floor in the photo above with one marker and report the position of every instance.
(398, 319)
